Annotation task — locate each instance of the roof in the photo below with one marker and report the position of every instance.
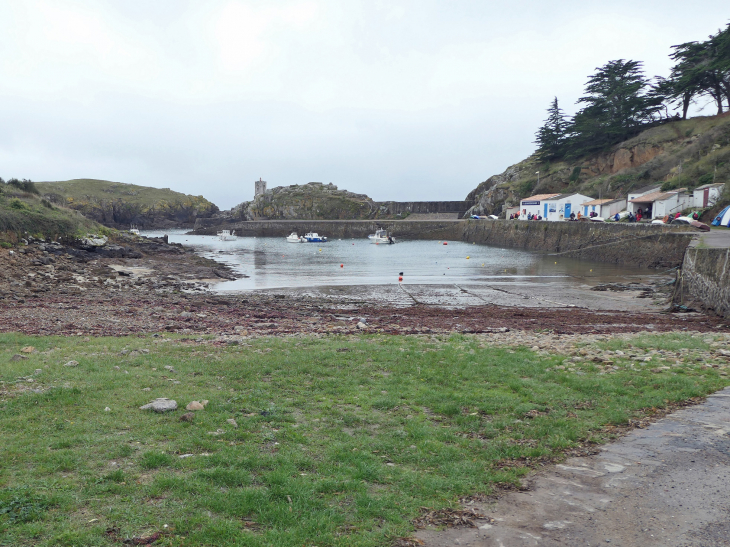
(654, 196)
(539, 197)
(603, 201)
(646, 189)
(714, 185)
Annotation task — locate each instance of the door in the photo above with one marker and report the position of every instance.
(545, 214)
(706, 197)
(567, 210)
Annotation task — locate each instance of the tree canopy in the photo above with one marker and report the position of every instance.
(621, 101)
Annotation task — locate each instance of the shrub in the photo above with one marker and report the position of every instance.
(26, 185)
(17, 204)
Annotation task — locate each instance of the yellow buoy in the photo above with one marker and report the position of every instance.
(468, 257)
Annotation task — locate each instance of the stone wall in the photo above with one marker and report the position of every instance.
(639, 245)
(425, 207)
(705, 280)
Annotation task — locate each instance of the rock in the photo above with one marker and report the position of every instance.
(232, 422)
(170, 368)
(146, 389)
(18, 357)
(187, 417)
(107, 409)
(186, 314)
(161, 404)
(195, 405)
(71, 364)
(361, 325)
(28, 349)
(38, 371)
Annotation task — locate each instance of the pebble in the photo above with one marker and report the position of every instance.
(195, 405)
(187, 417)
(232, 422)
(107, 409)
(71, 364)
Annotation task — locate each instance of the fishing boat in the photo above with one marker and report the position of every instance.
(227, 235)
(381, 236)
(134, 230)
(294, 238)
(314, 237)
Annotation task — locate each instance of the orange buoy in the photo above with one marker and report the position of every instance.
(445, 243)
(342, 265)
(400, 278)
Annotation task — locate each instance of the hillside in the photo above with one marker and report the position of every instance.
(679, 154)
(120, 205)
(24, 213)
(312, 201)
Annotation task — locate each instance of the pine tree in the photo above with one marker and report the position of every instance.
(617, 105)
(551, 137)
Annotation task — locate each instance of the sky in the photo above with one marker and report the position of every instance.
(407, 100)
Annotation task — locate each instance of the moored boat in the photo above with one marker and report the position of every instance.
(314, 237)
(134, 230)
(381, 236)
(294, 238)
(227, 235)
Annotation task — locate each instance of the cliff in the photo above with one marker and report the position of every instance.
(686, 153)
(119, 205)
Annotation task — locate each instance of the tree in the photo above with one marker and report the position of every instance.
(618, 103)
(551, 137)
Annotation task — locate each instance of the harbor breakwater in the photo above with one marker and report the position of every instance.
(651, 246)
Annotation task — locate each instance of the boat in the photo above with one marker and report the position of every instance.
(314, 237)
(381, 236)
(227, 235)
(294, 238)
(134, 230)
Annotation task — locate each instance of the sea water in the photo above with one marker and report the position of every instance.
(272, 262)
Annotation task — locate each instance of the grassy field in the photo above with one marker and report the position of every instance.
(304, 441)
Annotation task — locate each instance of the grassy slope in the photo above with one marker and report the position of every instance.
(35, 217)
(339, 441)
(700, 144)
(94, 198)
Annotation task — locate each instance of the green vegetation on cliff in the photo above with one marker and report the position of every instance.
(681, 154)
(23, 212)
(119, 204)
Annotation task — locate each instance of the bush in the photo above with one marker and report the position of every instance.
(26, 185)
(19, 205)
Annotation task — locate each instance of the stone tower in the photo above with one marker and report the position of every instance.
(260, 188)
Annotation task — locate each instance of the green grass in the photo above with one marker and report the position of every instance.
(339, 441)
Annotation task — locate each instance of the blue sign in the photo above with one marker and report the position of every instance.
(524, 203)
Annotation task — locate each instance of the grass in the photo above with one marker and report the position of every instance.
(338, 441)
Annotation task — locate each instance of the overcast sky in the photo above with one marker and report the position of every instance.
(402, 100)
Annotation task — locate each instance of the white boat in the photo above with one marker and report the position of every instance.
(314, 237)
(381, 236)
(133, 230)
(227, 235)
(294, 238)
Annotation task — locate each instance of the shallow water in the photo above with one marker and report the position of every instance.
(274, 263)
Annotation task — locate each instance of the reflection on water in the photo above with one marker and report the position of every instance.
(275, 263)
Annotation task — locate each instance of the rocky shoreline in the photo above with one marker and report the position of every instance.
(146, 285)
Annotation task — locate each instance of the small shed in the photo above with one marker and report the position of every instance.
(707, 195)
(560, 206)
(512, 210)
(660, 204)
(604, 208)
(651, 189)
(535, 205)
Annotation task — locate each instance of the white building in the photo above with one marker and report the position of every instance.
(638, 193)
(707, 195)
(560, 206)
(535, 205)
(511, 210)
(661, 204)
(604, 208)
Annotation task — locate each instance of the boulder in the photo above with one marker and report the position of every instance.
(161, 404)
